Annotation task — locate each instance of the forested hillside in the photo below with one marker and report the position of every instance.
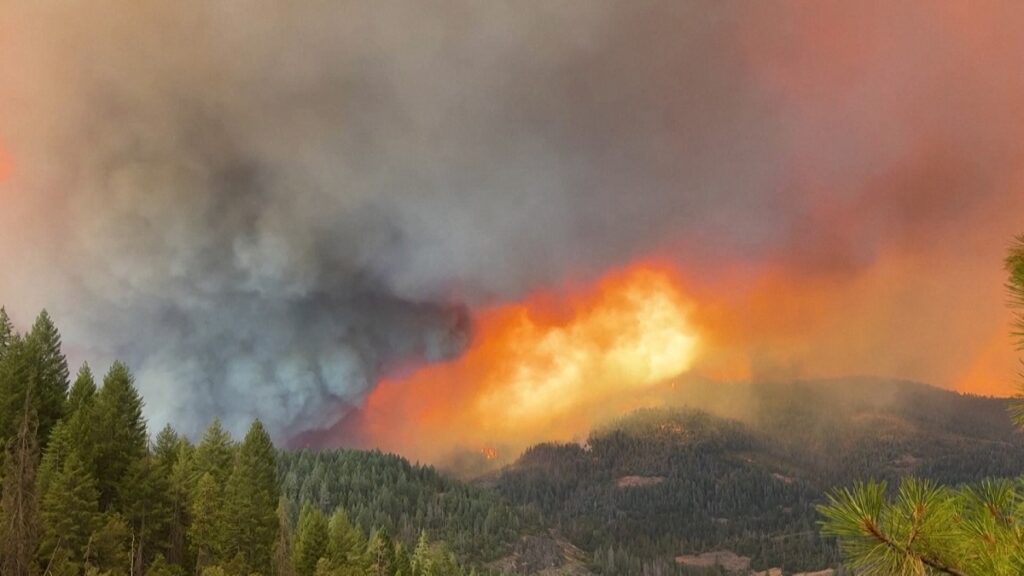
(86, 491)
(662, 483)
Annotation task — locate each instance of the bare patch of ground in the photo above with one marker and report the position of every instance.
(638, 481)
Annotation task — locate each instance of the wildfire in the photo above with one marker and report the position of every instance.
(489, 452)
(544, 368)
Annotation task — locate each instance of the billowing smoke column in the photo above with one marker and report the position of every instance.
(266, 206)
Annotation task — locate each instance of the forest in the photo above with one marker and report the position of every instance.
(86, 490)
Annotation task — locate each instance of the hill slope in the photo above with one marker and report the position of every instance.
(662, 483)
(740, 468)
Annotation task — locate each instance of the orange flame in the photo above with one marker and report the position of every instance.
(542, 369)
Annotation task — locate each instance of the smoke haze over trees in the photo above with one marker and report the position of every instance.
(262, 206)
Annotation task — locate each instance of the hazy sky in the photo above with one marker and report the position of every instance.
(262, 205)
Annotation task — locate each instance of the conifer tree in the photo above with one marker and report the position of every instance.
(310, 543)
(215, 454)
(109, 548)
(19, 372)
(123, 438)
(182, 480)
(1015, 286)
(422, 563)
(381, 553)
(145, 502)
(251, 497)
(82, 430)
(56, 452)
(204, 533)
(283, 544)
(346, 544)
(52, 373)
(18, 512)
(69, 511)
(6, 330)
(83, 390)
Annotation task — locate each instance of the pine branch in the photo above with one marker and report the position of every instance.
(882, 538)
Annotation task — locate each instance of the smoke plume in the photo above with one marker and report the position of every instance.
(266, 206)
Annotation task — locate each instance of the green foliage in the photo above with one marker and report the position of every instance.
(250, 499)
(93, 497)
(1015, 286)
(120, 439)
(928, 529)
(52, 373)
(346, 545)
(310, 543)
(18, 514)
(69, 509)
(6, 330)
(215, 454)
(83, 391)
(206, 528)
(109, 549)
(383, 490)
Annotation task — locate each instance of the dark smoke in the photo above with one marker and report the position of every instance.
(262, 205)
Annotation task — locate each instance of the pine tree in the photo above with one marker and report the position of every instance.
(422, 563)
(145, 502)
(310, 541)
(283, 544)
(182, 481)
(6, 330)
(381, 553)
(204, 533)
(52, 373)
(83, 391)
(69, 511)
(1015, 286)
(215, 454)
(19, 530)
(18, 373)
(123, 438)
(83, 432)
(109, 548)
(251, 497)
(346, 544)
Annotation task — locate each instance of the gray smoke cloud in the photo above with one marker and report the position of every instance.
(261, 205)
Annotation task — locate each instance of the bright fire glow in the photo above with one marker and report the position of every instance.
(545, 368)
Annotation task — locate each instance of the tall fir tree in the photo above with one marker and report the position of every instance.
(52, 373)
(381, 553)
(83, 390)
(346, 545)
(283, 544)
(123, 438)
(310, 540)
(205, 532)
(109, 548)
(182, 482)
(215, 453)
(18, 510)
(250, 499)
(422, 563)
(18, 372)
(69, 512)
(6, 330)
(82, 431)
